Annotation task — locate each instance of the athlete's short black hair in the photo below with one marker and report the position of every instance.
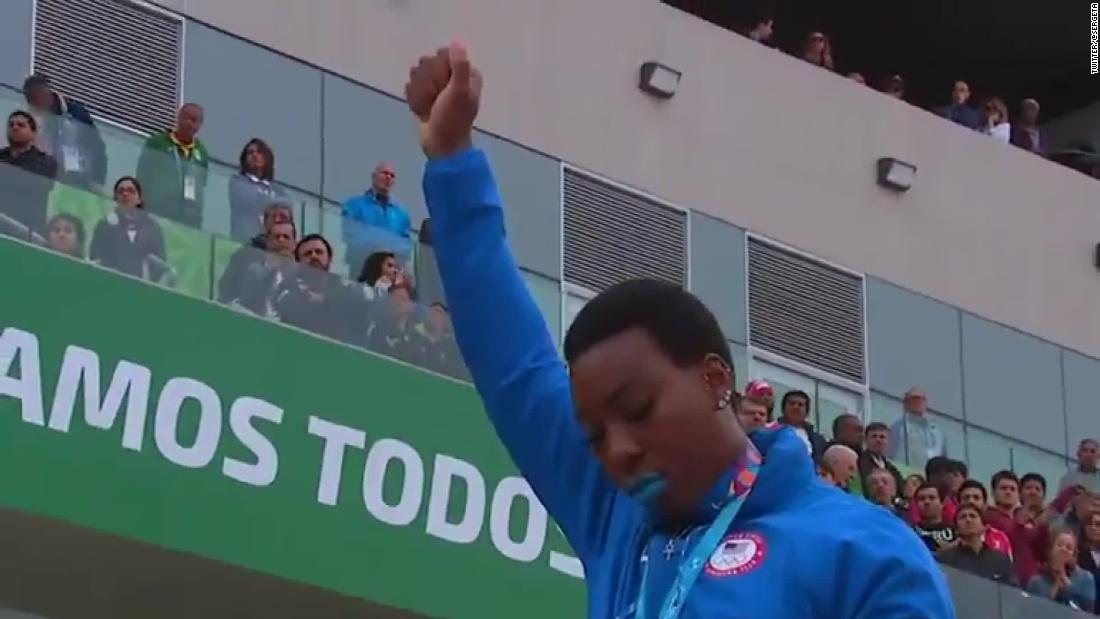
(677, 320)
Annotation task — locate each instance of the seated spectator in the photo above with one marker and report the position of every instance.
(909, 488)
(173, 168)
(795, 413)
(65, 235)
(761, 31)
(934, 530)
(273, 214)
(848, 431)
(1069, 509)
(763, 391)
(395, 332)
(960, 112)
(752, 411)
(839, 463)
(1025, 133)
(1086, 473)
(1008, 515)
(1088, 553)
(994, 120)
(439, 351)
(873, 456)
(127, 238)
(1033, 495)
(375, 222)
(972, 554)
(817, 50)
(915, 437)
(253, 277)
(894, 86)
(949, 476)
(26, 174)
(318, 301)
(381, 270)
(252, 191)
(68, 133)
(972, 493)
(882, 490)
(1060, 579)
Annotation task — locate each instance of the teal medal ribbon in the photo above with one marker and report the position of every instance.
(687, 574)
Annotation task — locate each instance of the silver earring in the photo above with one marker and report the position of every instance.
(724, 401)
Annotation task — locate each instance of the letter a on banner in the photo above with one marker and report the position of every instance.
(28, 387)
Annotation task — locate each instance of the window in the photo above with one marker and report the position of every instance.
(885, 409)
(573, 299)
(121, 58)
(832, 403)
(988, 452)
(955, 434)
(547, 295)
(827, 401)
(1027, 459)
(888, 410)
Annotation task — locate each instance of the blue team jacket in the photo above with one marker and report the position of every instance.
(798, 549)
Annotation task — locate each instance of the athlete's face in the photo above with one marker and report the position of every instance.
(645, 415)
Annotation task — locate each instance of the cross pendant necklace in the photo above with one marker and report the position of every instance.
(673, 542)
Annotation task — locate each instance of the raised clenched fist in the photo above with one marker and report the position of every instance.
(444, 91)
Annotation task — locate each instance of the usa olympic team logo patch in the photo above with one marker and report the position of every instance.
(738, 553)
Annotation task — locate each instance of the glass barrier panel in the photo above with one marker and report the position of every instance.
(975, 597)
(1027, 459)
(196, 192)
(133, 242)
(353, 241)
(545, 291)
(250, 279)
(1018, 604)
(429, 287)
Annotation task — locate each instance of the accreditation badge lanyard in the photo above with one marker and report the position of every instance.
(688, 572)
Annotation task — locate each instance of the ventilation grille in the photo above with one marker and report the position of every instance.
(119, 58)
(612, 235)
(806, 310)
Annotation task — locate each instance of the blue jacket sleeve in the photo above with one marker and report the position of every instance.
(509, 352)
(893, 576)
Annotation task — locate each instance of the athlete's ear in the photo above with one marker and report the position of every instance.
(718, 376)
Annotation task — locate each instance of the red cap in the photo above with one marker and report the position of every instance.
(759, 389)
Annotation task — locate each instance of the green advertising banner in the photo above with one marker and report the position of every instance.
(142, 412)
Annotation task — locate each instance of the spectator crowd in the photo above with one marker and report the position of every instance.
(1006, 531)
(1004, 528)
(988, 114)
(276, 272)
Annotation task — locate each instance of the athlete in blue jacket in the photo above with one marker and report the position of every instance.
(635, 450)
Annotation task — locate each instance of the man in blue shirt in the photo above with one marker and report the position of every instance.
(374, 222)
(959, 111)
(635, 449)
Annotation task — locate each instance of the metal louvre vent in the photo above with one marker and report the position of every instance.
(612, 235)
(806, 310)
(119, 58)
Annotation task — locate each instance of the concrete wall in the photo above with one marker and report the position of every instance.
(747, 139)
